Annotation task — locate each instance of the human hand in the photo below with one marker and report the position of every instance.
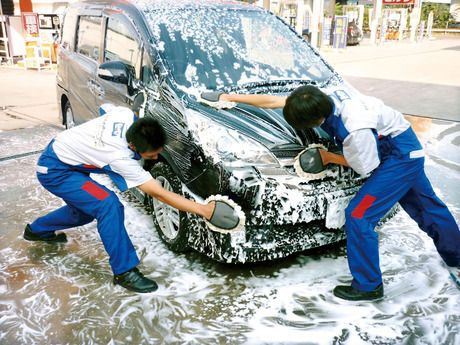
(208, 210)
(216, 99)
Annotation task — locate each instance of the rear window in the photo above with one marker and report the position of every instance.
(68, 29)
(88, 36)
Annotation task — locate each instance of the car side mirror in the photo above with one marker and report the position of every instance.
(118, 72)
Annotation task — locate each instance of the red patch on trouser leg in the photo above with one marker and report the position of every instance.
(359, 210)
(95, 190)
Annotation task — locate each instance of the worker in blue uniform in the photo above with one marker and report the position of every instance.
(377, 142)
(111, 144)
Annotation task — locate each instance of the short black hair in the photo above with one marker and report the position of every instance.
(306, 105)
(146, 134)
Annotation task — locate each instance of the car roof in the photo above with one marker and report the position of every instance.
(148, 5)
(154, 5)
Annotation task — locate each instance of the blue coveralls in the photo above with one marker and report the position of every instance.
(398, 178)
(87, 200)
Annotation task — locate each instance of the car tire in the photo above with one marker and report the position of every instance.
(170, 223)
(69, 119)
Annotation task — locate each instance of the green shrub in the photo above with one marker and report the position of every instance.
(441, 14)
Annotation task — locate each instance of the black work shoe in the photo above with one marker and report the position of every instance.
(351, 294)
(134, 280)
(31, 236)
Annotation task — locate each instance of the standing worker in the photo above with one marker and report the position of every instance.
(378, 141)
(112, 144)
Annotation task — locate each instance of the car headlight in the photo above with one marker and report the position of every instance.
(228, 145)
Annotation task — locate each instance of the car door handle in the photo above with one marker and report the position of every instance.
(95, 88)
(98, 90)
(90, 85)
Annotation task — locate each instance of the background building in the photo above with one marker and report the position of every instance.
(40, 6)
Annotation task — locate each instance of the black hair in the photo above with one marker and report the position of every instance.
(306, 105)
(146, 134)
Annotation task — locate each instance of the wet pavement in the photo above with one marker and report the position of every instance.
(419, 78)
(62, 294)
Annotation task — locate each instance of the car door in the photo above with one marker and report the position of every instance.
(82, 66)
(121, 43)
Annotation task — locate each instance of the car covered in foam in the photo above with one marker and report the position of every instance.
(173, 51)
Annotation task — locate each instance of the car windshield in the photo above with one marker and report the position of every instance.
(208, 48)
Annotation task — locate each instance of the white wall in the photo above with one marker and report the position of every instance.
(44, 6)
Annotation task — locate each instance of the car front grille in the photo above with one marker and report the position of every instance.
(286, 153)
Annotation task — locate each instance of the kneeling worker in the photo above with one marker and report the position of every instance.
(111, 144)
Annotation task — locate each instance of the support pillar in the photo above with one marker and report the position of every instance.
(376, 14)
(317, 16)
(300, 16)
(415, 19)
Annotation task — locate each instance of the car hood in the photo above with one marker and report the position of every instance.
(267, 126)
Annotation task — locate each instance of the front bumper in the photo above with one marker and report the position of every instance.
(286, 215)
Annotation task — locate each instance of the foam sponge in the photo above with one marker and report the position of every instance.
(227, 217)
(308, 163)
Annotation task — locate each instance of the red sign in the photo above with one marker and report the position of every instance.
(30, 22)
(398, 2)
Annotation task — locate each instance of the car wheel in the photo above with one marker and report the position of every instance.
(68, 113)
(170, 223)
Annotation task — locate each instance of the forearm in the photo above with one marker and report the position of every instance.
(260, 101)
(177, 201)
(333, 158)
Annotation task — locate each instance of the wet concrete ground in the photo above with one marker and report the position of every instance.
(420, 78)
(62, 294)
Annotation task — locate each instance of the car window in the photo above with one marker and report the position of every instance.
(208, 48)
(121, 43)
(88, 36)
(68, 29)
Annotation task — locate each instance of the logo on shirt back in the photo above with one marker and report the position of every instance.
(341, 95)
(117, 130)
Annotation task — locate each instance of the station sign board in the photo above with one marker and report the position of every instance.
(326, 32)
(340, 32)
(30, 23)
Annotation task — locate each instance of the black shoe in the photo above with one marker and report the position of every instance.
(135, 281)
(351, 294)
(31, 236)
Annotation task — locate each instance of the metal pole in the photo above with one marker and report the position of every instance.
(299, 17)
(316, 19)
(415, 19)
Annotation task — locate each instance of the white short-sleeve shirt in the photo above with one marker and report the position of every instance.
(102, 143)
(365, 117)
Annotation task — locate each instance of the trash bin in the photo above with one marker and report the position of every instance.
(306, 34)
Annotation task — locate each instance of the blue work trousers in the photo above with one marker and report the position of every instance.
(85, 200)
(402, 179)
